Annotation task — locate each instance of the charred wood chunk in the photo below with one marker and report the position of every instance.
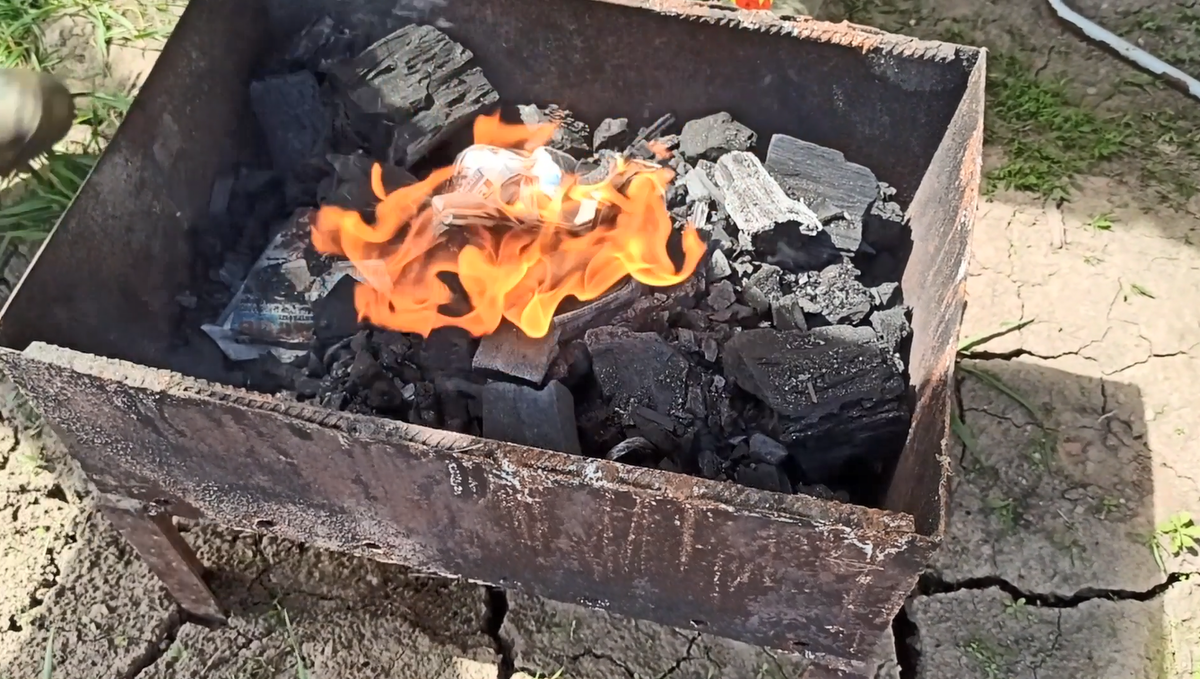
(510, 351)
(834, 295)
(541, 418)
(816, 174)
(612, 134)
(572, 365)
(334, 316)
(756, 204)
(884, 226)
(763, 476)
(571, 136)
(811, 374)
(711, 137)
(418, 80)
(447, 352)
(349, 186)
(638, 370)
(320, 43)
(292, 118)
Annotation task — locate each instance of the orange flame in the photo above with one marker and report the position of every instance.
(518, 249)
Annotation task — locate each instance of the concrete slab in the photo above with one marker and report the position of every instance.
(986, 634)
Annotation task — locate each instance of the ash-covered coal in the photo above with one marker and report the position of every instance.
(779, 364)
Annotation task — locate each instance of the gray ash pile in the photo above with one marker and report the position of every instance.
(775, 357)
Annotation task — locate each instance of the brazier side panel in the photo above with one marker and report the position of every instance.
(107, 277)
(942, 216)
(637, 542)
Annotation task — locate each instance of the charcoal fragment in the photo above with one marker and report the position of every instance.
(811, 173)
(612, 134)
(334, 316)
(835, 296)
(718, 266)
(814, 373)
(623, 360)
(571, 136)
(763, 448)
(630, 449)
(711, 137)
(292, 118)
(418, 80)
(542, 418)
(764, 477)
(756, 204)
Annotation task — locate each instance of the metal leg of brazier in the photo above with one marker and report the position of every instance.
(150, 531)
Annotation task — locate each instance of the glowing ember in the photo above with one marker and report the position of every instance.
(520, 234)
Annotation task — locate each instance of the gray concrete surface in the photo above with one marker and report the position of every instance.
(1046, 572)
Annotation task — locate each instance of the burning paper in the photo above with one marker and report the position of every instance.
(519, 233)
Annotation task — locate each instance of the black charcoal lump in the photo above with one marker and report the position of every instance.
(420, 82)
(756, 204)
(292, 118)
(818, 174)
(814, 373)
(711, 137)
(638, 369)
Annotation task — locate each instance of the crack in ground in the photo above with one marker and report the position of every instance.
(497, 602)
(164, 638)
(932, 585)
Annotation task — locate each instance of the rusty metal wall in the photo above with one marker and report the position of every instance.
(784, 571)
(105, 280)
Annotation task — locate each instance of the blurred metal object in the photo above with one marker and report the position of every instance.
(36, 111)
(1177, 78)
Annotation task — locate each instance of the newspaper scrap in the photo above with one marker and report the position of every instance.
(272, 309)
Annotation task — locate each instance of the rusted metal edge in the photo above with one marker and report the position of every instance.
(846, 34)
(568, 469)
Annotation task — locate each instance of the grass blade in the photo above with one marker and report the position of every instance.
(970, 343)
(996, 383)
(963, 432)
(48, 659)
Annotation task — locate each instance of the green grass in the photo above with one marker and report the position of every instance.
(1047, 138)
(30, 212)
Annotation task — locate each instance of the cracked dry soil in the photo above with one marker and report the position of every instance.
(1046, 570)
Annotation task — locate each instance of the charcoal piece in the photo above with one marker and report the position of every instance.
(307, 387)
(349, 186)
(834, 295)
(417, 80)
(454, 397)
(637, 369)
(268, 374)
(320, 43)
(293, 121)
(763, 448)
(711, 465)
(447, 352)
(425, 407)
(701, 183)
(222, 192)
(632, 450)
(510, 351)
(885, 295)
(812, 173)
(450, 106)
(756, 203)
(541, 418)
(891, 325)
(711, 349)
(718, 266)
(662, 430)
(334, 316)
(570, 136)
(384, 396)
(763, 289)
(884, 226)
(365, 370)
(651, 311)
(711, 137)
(845, 233)
(763, 477)
(655, 130)
(787, 313)
(572, 364)
(814, 373)
(721, 295)
(612, 134)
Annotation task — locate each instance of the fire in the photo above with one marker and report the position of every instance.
(519, 241)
